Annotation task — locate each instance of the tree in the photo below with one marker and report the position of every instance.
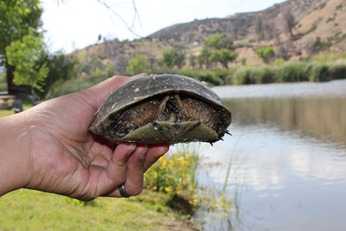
(17, 17)
(203, 57)
(173, 58)
(265, 53)
(137, 65)
(61, 67)
(28, 57)
(217, 48)
(218, 41)
(223, 56)
(192, 59)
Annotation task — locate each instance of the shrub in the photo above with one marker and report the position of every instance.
(173, 173)
(266, 53)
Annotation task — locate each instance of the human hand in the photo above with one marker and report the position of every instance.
(63, 157)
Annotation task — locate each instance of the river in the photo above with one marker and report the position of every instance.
(284, 167)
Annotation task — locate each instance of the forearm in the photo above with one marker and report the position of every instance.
(14, 153)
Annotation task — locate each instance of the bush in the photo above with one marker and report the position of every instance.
(266, 53)
(173, 173)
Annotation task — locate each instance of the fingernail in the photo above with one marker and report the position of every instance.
(144, 152)
(142, 156)
(131, 148)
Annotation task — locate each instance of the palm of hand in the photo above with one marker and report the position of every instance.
(69, 160)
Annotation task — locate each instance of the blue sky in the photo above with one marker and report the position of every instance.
(75, 24)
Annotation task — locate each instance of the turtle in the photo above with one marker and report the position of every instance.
(162, 109)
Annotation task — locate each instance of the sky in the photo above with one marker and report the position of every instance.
(75, 24)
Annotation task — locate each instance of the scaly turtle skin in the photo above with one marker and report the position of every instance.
(162, 109)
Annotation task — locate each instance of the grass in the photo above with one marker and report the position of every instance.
(6, 112)
(11, 112)
(314, 70)
(32, 210)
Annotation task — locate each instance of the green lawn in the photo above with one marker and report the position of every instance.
(32, 210)
(5, 112)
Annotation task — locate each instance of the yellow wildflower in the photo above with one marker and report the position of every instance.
(155, 175)
(167, 189)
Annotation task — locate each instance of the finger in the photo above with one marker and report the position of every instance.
(135, 170)
(154, 153)
(117, 167)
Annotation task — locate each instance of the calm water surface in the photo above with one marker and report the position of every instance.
(286, 159)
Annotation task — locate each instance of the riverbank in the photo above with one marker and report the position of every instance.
(317, 69)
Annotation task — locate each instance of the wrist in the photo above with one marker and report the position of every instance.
(14, 153)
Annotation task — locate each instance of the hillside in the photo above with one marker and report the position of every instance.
(295, 28)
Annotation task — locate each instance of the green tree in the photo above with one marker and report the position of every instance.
(266, 53)
(203, 57)
(218, 41)
(17, 18)
(223, 56)
(61, 67)
(28, 57)
(137, 65)
(217, 48)
(173, 58)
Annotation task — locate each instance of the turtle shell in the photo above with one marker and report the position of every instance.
(162, 109)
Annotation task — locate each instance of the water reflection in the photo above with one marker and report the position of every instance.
(287, 163)
(321, 118)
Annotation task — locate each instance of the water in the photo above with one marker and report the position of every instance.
(286, 159)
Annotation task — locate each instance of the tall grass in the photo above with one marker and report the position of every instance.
(298, 71)
(318, 72)
(290, 72)
(215, 77)
(250, 75)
